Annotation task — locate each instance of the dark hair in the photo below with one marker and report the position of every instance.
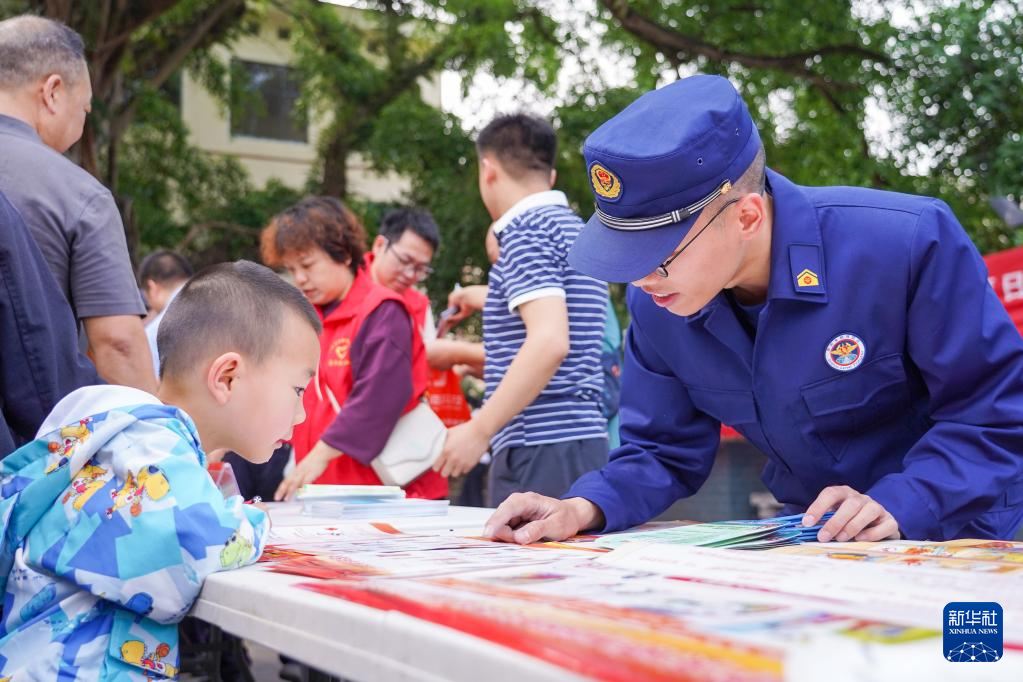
(34, 47)
(164, 267)
(238, 306)
(322, 222)
(754, 178)
(522, 143)
(420, 222)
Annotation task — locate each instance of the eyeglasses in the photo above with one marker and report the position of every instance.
(409, 265)
(662, 269)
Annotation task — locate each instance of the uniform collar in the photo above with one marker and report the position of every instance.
(15, 126)
(797, 252)
(795, 249)
(549, 198)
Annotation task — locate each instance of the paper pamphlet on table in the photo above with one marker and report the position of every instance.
(978, 556)
(353, 550)
(747, 534)
(671, 611)
(465, 521)
(871, 590)
(618, 622)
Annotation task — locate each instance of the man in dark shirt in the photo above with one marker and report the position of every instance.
(39, 358)
(45, 95)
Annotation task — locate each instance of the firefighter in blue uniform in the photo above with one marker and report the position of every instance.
(850, 334)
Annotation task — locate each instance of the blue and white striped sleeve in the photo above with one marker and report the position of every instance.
(533, 266)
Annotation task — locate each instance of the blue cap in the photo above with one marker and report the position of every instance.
(654, 167)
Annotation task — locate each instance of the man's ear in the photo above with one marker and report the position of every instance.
(554, 178)
(224, 371)
(53, 89)
(752, 213)
(488, 170)
(379, 244)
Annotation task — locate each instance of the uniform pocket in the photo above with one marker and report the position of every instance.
(845, 407)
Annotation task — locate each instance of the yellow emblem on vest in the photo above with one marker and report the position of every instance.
(605, 183)
(807, 278)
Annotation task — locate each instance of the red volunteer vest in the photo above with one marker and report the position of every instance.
(445, 386)
(340, 329)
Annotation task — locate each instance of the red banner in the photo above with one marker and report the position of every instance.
(1005, 272)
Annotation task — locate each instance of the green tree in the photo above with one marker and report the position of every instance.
(362, 73)
(804, 66)
(959, 105)
(809, 69)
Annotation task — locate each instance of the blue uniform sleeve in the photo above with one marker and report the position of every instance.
(971, 358)
(668, 445)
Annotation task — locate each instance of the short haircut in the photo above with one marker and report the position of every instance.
(322, 222)
(164, 267)
(754, 178)
(33, 47)
(418, 221)
(240, 307)
(523, 144)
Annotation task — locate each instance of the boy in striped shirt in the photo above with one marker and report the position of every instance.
(543, 325)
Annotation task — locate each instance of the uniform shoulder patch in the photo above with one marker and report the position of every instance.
(807, 278)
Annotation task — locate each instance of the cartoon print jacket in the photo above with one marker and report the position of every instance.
(110, 525)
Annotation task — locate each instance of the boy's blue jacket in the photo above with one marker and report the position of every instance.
(882, 360)
(110, 525)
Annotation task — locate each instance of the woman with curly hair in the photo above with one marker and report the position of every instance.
(372, 364)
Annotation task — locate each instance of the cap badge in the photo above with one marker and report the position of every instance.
(605, 183)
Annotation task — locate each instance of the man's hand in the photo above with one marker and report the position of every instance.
(528, 517)
(443, 354)
(464, 447)
(308, 470)
(467, 300)
(857, 517)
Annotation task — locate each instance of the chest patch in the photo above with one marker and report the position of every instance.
(845, 352)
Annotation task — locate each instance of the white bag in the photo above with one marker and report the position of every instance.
(413, 446)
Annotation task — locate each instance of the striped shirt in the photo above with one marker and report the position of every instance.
(535, 236)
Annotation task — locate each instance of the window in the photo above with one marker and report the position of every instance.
(266, 105)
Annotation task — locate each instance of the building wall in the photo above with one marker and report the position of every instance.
(290, 162)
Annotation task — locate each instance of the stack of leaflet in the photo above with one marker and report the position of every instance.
(763, 534)
(351, 502)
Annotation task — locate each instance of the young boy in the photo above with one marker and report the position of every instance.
(543, 325)
(110, 521)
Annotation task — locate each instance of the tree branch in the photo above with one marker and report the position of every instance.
(197, 35)
(675, 44)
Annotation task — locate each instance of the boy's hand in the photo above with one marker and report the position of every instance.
(463, 449)
(527, 517)
(857, 517)
(308, 470)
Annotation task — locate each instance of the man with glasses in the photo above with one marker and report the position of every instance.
(850, 334)
(401, 257)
